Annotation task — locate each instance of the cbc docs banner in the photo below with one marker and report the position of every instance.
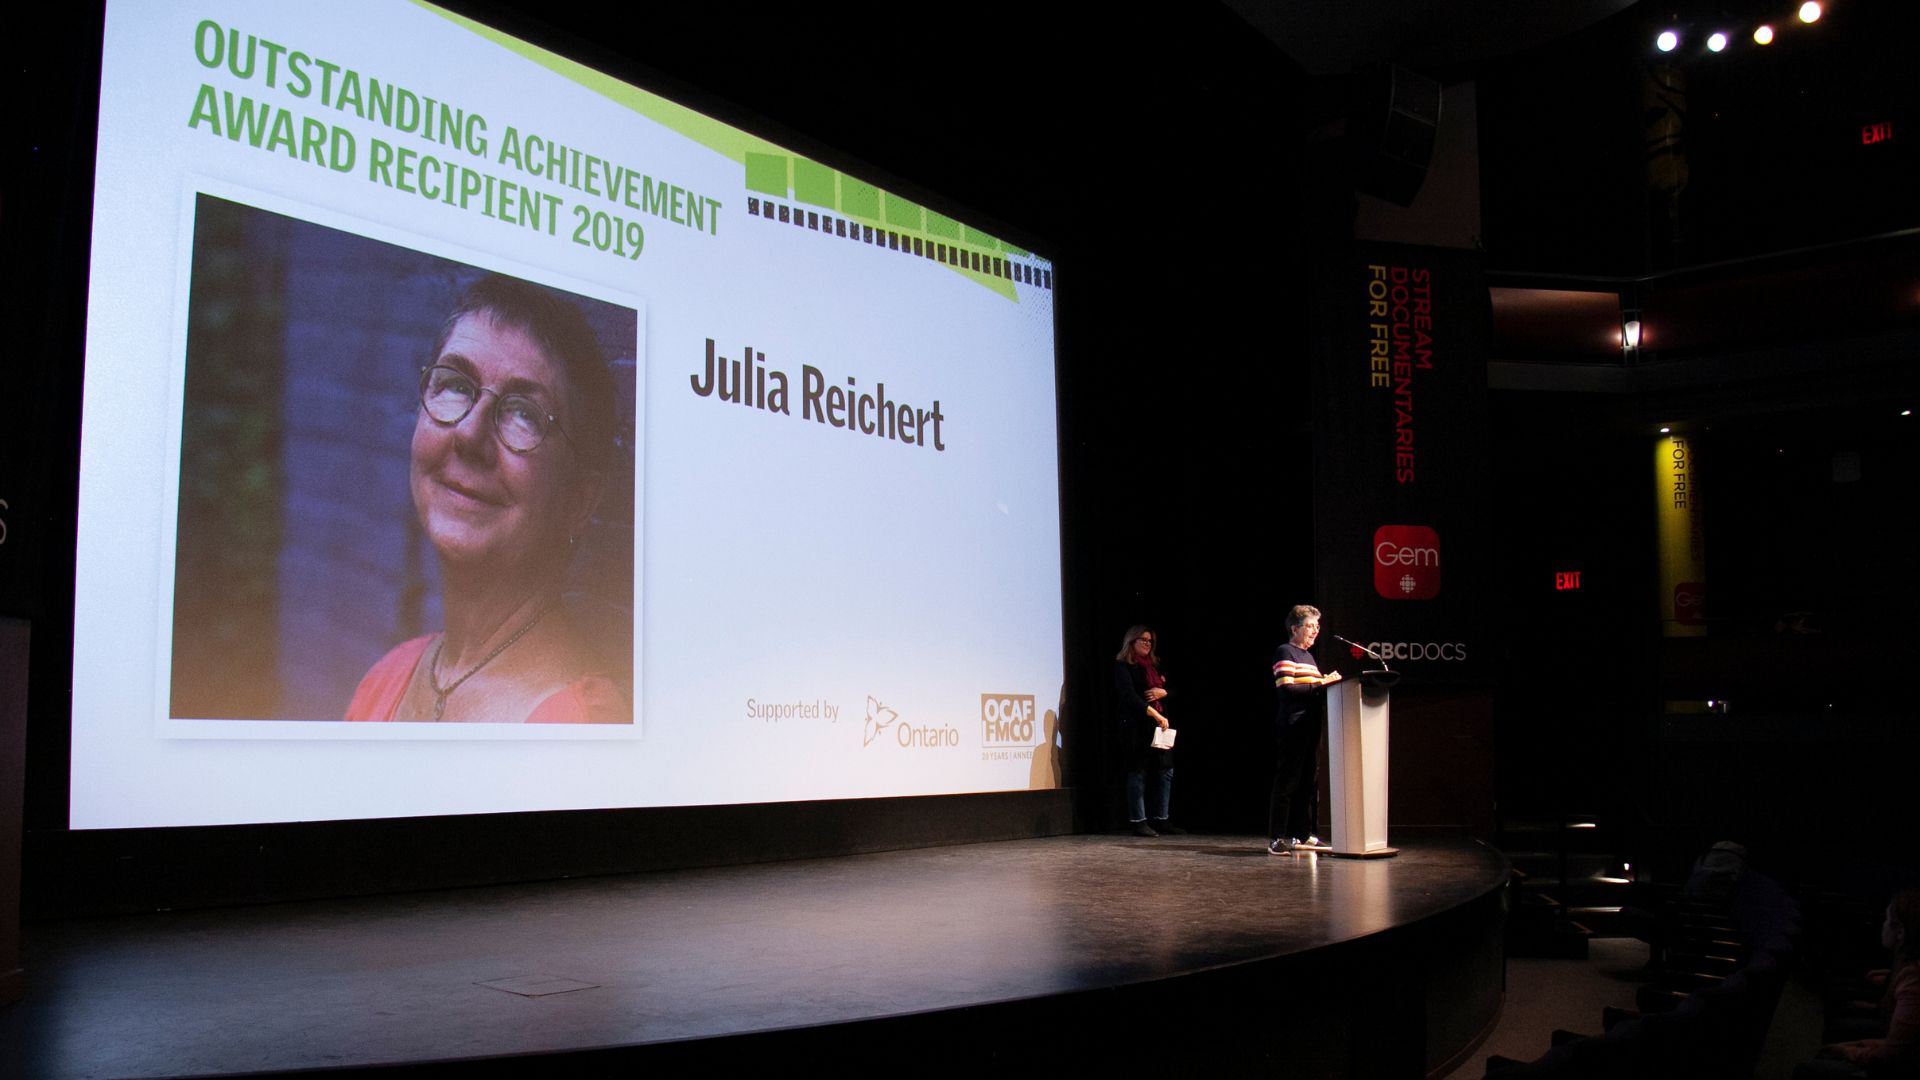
(1400, 460)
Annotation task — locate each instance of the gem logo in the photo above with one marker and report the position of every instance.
(1690, 603)
(1006, 720)
(1406, 562)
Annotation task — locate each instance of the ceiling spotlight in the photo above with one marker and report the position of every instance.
(1810, 11)
(1668, 41)
(1666, 431)
(1716, 42)
(1763, 34)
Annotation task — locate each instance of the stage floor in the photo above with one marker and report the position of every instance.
(689, 955)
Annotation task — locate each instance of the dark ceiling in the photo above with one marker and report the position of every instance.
(1437, 36)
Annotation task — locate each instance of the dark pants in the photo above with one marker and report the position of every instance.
(1150, 782)
(1295, 795)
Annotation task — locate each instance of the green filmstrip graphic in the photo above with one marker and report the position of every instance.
(1001, 273)
(898, 223)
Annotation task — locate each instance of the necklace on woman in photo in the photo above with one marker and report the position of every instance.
(441, 694)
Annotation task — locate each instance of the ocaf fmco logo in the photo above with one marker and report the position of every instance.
(1406, 562)
(1006, 720)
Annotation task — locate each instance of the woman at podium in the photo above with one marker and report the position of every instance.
(1301, 689)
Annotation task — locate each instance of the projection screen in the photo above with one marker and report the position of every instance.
(467, 431)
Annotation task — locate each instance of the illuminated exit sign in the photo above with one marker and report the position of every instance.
(1875, 133)
(1566, 580)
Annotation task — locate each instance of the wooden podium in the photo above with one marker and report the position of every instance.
(1357, 764)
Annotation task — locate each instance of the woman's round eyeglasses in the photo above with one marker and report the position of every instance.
(520, 423)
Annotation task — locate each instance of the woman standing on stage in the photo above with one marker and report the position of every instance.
(1301, 688)
(1141, 692)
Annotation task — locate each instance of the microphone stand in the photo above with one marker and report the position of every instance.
(1383, 676)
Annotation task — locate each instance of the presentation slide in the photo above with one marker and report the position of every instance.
(467, 431)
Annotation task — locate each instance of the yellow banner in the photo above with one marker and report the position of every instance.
(1682, 537)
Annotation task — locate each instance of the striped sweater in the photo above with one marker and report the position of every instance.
(1297, 682)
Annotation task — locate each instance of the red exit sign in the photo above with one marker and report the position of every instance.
(1566, 580)
(1875, 133)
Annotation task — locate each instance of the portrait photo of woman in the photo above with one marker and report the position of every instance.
(508, 464)
(407, 487)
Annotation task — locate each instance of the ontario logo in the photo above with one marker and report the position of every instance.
(1006, 720)
(1406, 562)
(883, 724)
